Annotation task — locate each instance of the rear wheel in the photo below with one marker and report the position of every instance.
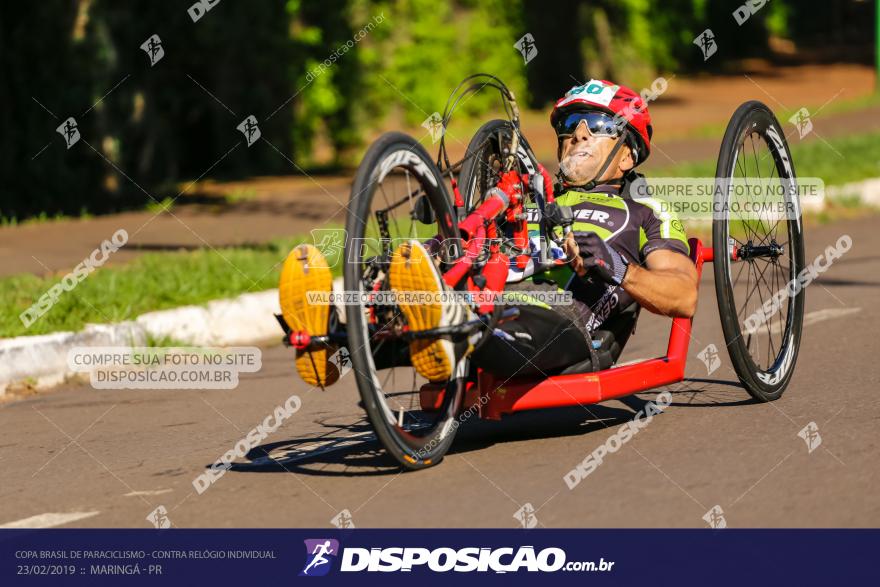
(484, 160)
(397, 194)
(759, 251)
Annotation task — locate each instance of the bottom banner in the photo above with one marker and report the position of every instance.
(607, 557)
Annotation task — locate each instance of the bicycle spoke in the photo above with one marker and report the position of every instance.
(768, 319)
(755, 157)
(409, 192)
(742, 167)
(742, 265)
(751, 292)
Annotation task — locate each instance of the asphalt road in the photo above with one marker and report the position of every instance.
(109, 458)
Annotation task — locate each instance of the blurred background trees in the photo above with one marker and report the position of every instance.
(160, 125)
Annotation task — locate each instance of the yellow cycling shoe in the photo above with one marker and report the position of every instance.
(416, 280)
(305, 270)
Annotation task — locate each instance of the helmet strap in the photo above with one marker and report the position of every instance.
(595, 181)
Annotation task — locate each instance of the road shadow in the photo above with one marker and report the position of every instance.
(696, 392)
(351, 449)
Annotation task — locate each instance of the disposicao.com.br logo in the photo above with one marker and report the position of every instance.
(320, 554)
(443, 559)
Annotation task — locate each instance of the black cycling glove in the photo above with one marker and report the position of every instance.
(600, 259)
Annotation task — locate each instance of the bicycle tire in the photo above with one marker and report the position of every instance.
(764, 383)
(411, 448)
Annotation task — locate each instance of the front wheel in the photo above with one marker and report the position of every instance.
(398, 194)
(759, 251)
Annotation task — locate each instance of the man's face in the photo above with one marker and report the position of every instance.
(581, 155)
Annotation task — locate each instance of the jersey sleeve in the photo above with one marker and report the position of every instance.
(660, 228)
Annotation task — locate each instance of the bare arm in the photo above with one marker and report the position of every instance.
(667, 285)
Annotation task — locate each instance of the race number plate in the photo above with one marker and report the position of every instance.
(595, 91)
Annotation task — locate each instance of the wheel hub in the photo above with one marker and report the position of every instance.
(751, 251)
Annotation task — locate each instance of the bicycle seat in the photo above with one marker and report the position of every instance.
(608, 342)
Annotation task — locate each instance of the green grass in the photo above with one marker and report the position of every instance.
(240, 195)
(153, 281)
(41, 218)
(156, 281)
(837, 161)
(716, 129)
(155, 207)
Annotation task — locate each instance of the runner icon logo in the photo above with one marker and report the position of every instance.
(527, 47)
(159, 518)
(434, 125)
(343, 519)
(801, 119)
(715, 518)
(710, 358)
(342, 360)
(320, 554)
(154, 50)
(810, 435)
(706, 42)
(331, 243)
(250, 130)
(70, 131)
(526, 516)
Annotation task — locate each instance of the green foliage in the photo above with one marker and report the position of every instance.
(46, 67)
(777, 19)
(645, 37)
(326, 74)
(157, 207)
(426, 48)
(142, 127)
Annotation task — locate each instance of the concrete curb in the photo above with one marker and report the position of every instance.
(248, 319)
(866, 191)
(41, 361)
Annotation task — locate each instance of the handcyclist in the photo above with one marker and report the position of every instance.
(623, 253)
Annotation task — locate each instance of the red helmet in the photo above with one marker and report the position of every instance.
(617, 100)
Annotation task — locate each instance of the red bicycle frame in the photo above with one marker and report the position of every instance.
(493, 397)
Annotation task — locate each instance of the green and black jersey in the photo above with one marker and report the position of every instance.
(556, 339)
(634, 227)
